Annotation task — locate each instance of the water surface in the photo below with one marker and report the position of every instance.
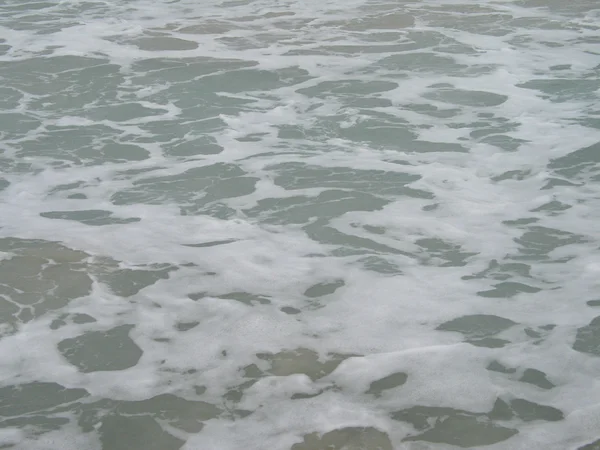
(299, 225)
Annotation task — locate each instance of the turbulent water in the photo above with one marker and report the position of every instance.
(299, 225)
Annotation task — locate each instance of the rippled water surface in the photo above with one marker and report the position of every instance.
(308, 225)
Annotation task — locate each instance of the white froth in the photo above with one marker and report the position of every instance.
(476, 230)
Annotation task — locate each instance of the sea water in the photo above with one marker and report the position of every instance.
(299, 225)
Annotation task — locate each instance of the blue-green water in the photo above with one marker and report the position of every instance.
(299, 225)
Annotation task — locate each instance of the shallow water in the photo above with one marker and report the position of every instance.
(299, 225)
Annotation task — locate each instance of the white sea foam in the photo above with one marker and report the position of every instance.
(291, 202)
